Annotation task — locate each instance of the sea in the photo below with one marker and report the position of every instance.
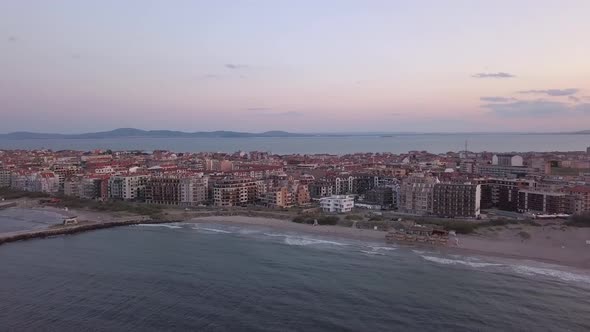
(227, 277)
(435, 143)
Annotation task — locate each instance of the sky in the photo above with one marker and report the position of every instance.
(302, 66)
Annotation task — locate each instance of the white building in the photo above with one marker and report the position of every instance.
(337, 203)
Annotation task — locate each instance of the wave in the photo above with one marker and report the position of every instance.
(214, 230)
(275, 234)
(382, 248)
(539, 271)
(372, 252)
(160, 225)
(447, 261)
(303, 241)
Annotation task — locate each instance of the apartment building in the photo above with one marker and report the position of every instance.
(278, 198)
(178, 190)
(544, 202)
(337, 203)
(580, 196)
(5, 176)
(127, 187)
(416, 194)
(237, 192)
(456, 200)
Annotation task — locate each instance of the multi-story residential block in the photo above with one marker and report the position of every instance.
(337, 203)
(72, 187)
(237, 192)
(544, 202)
(5, 176)
(321, 188)
(580, 199)
(127, 187)
(278, 198)
(176, 189)
(502, 193)
(363, 183)
(300, 194)
(456, 200)
(416, 194)
(385, 197)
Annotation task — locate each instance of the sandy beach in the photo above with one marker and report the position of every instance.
(547, 244)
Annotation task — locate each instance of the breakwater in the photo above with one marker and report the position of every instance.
(6, 205)
(90, 226)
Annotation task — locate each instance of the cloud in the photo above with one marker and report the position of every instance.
(11, 39)
(493, 75)
(524, 108)
(552, 92)
(395, 114)
(574, 99)
(235, 66)
(496, 99)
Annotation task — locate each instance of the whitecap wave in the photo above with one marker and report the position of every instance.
(303, 241)
(246, 231)
(160, 225)
(383, 248)
(214, 230)
(372, 252)
(540, 271)
(275, 234)
(447, 261)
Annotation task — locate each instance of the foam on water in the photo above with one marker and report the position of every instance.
(275, 234)
(383, 248)
(160, 225)
(305, 241)
(547, 272)
(214, 230)
(372, 252)
(448, 261)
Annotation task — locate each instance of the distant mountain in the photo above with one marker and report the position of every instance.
(582, 132)
(132, 132)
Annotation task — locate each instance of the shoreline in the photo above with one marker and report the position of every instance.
(504, 246)
(379, 236)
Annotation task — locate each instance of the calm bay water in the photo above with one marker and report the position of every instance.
(231, 278)
(337, 145)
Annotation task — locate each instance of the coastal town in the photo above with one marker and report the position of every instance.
(460, 185)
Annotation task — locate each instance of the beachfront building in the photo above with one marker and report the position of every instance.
(277, 198)
(127, 187)
(416, 194)
(384, 197)
(502, 193)
(456, 200)
(5, 176)
(300, 194)
(176, 189)
(237, 192)
(580, 196)
(543, 202)
(337, 203)
(321, 188)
